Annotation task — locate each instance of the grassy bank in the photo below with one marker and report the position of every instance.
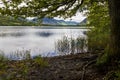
(55, 68)
(81, 66)
(20, 69)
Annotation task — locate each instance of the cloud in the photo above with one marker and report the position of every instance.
(78, 17)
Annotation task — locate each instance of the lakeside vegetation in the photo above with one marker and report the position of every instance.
(69, 45)
(21, 69)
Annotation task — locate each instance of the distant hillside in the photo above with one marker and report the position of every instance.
(84, 22)
(10, 21)
(52, 21)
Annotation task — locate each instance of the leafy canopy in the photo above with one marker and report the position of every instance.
(40, 8)
(44, 8)
(98, 16)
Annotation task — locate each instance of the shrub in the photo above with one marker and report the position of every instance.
(40, 61)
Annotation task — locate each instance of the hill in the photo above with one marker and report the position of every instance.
(10, 21)
(52, 21)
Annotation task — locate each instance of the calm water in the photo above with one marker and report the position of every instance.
(35, 40)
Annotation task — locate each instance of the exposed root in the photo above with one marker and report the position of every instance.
(84, 68)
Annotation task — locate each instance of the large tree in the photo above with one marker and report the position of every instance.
(66, 8)
(114, 47)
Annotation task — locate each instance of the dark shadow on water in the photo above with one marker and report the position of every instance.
(44, 34)
(18, 34)
(85, 32)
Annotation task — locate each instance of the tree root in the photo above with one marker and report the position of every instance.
(84, 68)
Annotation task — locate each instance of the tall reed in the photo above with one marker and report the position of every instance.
(71, 45)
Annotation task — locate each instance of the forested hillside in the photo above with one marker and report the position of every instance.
(10, 21)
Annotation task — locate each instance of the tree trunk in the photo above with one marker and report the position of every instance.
(114, 47)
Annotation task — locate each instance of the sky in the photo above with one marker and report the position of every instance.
(78, 18)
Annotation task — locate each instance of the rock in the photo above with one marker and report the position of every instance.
(19, 75)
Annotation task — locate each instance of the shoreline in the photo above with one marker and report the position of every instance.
(68, 67)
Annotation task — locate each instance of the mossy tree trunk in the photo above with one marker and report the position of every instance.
(114, 47)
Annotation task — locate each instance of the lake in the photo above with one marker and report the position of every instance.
(35, 40)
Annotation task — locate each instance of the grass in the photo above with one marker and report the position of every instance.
(40, 61)
(20, 55)
(20, 69)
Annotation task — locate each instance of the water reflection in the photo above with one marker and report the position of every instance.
(18, 34)
(36, 41)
